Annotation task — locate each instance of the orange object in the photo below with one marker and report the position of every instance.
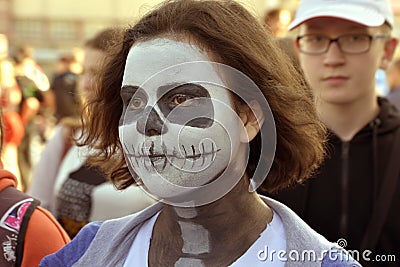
(13, 128)
(44, 234)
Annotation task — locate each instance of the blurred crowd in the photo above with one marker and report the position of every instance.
(42, 121)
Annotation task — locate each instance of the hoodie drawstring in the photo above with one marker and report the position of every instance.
(374, 125)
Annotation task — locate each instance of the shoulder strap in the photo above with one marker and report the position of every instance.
(386, 194)
(19, 250)
(15, 210)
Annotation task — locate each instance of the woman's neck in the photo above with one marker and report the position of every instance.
(213, 234)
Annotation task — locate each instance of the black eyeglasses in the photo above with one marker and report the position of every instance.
(315, 44)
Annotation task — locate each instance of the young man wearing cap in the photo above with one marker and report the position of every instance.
(355, 194)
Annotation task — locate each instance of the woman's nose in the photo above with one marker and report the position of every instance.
(150, 123)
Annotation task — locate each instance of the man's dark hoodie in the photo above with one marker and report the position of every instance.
(338, 201)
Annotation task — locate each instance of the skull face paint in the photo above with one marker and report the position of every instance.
(179, 129)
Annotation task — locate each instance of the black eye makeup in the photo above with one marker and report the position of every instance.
(191, 104)
(186, 89)
(181, 99)
(133, 97)
(134, 100)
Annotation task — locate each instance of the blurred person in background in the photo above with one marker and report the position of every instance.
(10, 102)
(393, 81)
(75, 192)
(64, 87)
(277, 21)
(27, 231)
(34, 110)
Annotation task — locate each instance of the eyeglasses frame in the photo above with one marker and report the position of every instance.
(336, 40)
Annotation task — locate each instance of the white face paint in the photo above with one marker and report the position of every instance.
(179, 129)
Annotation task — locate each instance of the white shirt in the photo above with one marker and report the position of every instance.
(263, 252)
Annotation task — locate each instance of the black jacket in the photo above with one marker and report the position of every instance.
(338, 201)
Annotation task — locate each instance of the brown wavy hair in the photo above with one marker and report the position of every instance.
(236, 39)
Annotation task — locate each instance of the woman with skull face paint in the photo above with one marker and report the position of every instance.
(202, 121)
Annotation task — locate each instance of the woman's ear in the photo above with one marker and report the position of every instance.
(253, 118)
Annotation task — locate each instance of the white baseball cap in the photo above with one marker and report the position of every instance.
(370, 13)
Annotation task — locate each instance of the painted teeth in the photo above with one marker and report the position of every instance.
(142, 149)
(184, 150)
(204, 158)
(164, 148)
(151, 149)
(149, 154)
(165, 163)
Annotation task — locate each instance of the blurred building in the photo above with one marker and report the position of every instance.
(54, 26)
(63, 23)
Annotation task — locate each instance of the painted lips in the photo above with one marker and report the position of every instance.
(188, 158)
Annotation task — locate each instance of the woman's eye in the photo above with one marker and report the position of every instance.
(180, 99)
(136, 103)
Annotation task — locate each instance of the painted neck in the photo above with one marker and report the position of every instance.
(234, 205)
(240, 217)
